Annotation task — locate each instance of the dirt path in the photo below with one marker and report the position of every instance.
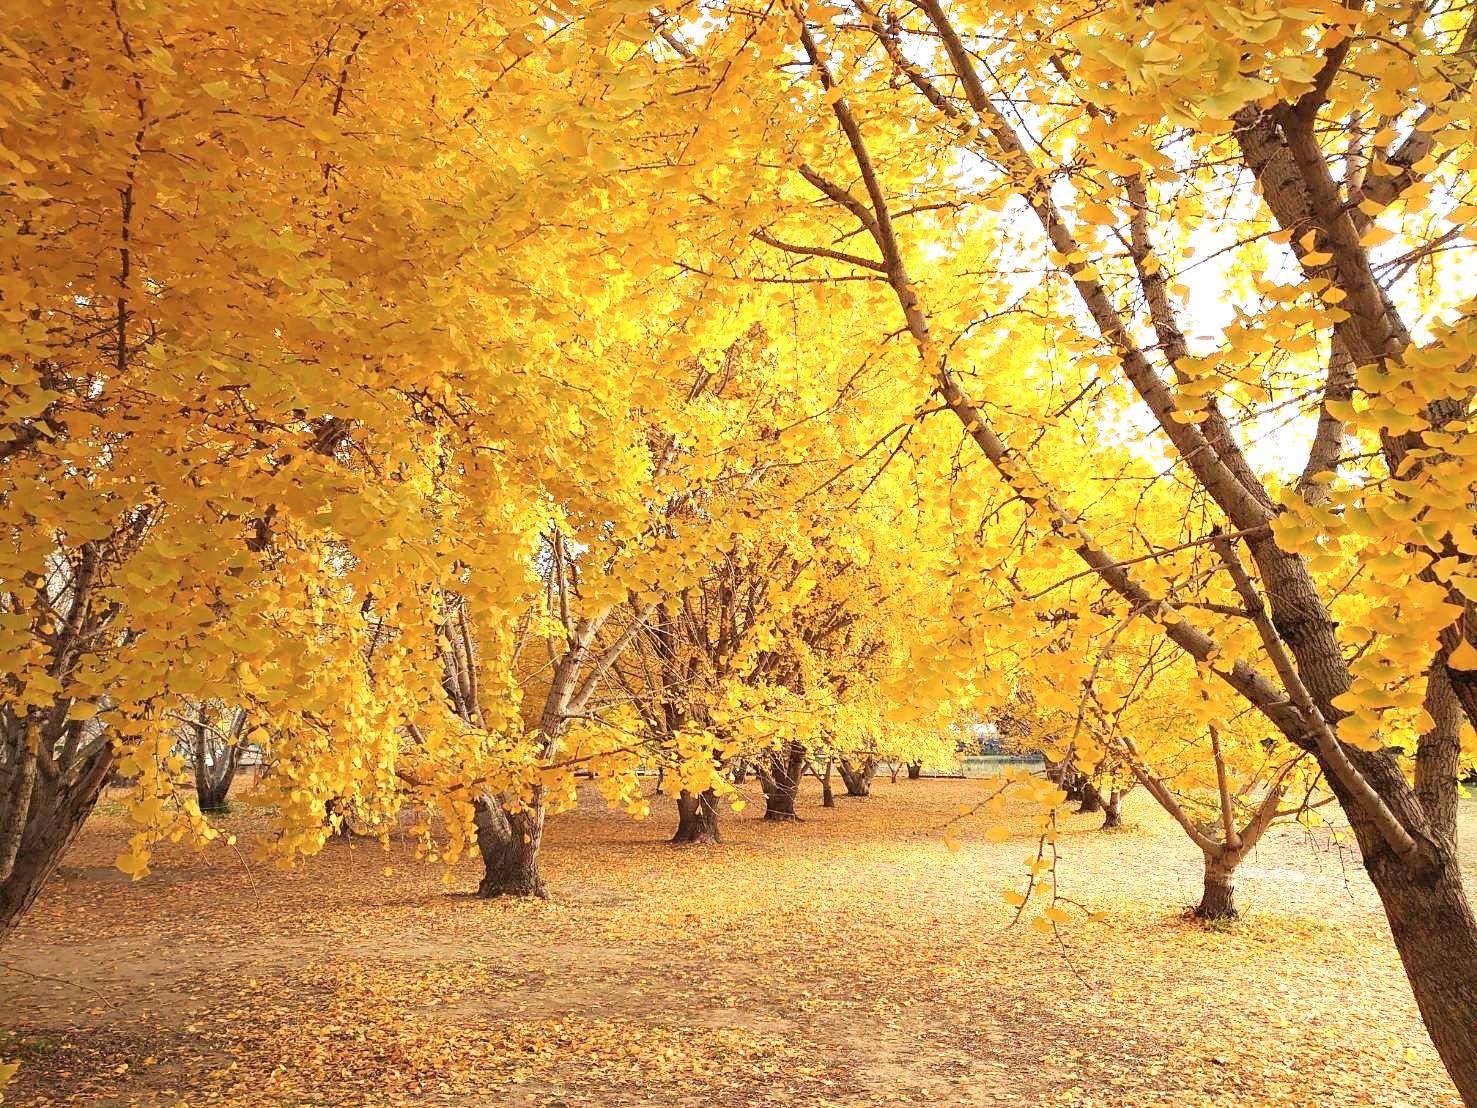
(849, 959)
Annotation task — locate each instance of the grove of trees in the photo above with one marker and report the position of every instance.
(444, 401)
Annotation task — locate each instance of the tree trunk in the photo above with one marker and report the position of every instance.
(216, 762)
(336, 815)
(1436, 936)
(52, 818)
(212, 794)
(1218, 897)
(781, 781)
(1072, 783)
(740, 771)
(1092, 800)
(1112, 810)
(213, 783)
(828, 798)
(509, 844)
(858, 781)
(915, 770)
(697, 818)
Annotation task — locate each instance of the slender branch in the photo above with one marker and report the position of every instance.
(1399, 839)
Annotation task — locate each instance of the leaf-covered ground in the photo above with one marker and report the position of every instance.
(849, 959)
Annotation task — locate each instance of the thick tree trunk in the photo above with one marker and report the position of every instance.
(1218, 896)
(858, 780)
(1430, 920)
(213, 783)
(1092, 800)
(212, 794)
(781, 781)
(53, 815)
(509, 844)
(1436, 936)
(780, 805)
(915, 770)
(1113, 810)
(697, 818)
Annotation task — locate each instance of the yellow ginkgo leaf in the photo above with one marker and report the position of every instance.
(1464, 657)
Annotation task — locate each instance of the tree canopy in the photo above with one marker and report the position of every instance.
(448, 400)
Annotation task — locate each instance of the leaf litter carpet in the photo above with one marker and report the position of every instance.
(848, 959)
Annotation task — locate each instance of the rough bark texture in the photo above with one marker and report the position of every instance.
(1218, 896)
(53, 814)
(1437, 938)
(509, 842)
(1438, 754)
(697, 818)
(828, 798)
(915, 770)
(858, 779)
(780, 779)
(1113, 810)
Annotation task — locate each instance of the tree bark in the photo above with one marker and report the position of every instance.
(509, 844)
(1436, 936)
(781, 781)
(213, 780)
(1112, 810)
(212, 794)
(915, 770)
(1092, 800)
(828, 798)
(697, 818)
(858, 780)
(1218, 895)
(54, 814)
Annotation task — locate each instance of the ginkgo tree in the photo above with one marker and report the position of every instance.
(1319, 159)
(775, 654)
(346, 355)
(273, 280)
(1144, 716)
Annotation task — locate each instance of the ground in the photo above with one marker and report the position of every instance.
(848, 959)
